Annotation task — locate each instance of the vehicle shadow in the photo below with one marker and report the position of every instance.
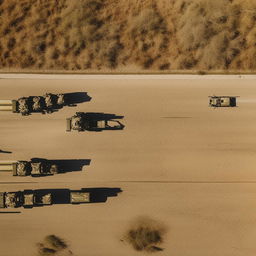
(102, 116)
(98, 122)
(74, 98)
(5, 152)
(100, 195)
(65, 165)
(63, 196)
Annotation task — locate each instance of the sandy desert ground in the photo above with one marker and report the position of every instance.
(127, 36)
(177, 161)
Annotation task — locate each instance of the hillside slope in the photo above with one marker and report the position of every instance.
(127, 35)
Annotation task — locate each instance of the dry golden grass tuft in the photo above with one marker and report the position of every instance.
(101, 35)
(53, 245)
(146, 234)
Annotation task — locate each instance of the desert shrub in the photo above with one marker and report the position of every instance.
(55, 242)
(146, 21)
(145, 234)
(164, 66)
(53, 245)
(46, 251)
(28, 61)
(11, 43)
(149, 35)
(200, 21)
(40, 47)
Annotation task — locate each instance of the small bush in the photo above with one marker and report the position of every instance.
(145, 235)
(53, 245)
(56, 242)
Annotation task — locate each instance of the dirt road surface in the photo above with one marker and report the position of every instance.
(177, 160)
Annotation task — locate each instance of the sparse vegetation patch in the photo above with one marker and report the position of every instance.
(53, 245)
(146, 234)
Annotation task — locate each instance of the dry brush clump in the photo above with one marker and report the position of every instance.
(214, 34)
(101, 35)
(148, 36)
(145, 234)
(87, 41)
(53, 245)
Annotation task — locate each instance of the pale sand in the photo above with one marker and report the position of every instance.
(196, 161)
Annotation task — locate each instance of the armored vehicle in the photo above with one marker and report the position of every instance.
(222, 101)
(28, 105)
(42, 197)
(53, 101)
(26, 198)
(29, 168)
(82, 121)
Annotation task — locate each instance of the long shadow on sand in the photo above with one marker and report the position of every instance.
(74, 98)
(5, 152)
(98, 122)
(65, 165)
(97, 195)
(102, 116)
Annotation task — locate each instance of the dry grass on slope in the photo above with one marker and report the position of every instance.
(215, 34)
(132, 35)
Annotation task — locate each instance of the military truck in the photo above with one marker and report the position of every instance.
(29, 168)
(222, 101)
(26, 198)
(27, 105)
(40, 197)
(82, 121)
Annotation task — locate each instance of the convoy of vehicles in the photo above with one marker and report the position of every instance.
(29, 168)
(81, 121)
(41, 197)
(36, 167)
(28, 105)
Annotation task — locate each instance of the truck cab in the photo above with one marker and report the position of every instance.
(222, 101)
(11, 199)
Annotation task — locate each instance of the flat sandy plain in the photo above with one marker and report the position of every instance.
(177, 161)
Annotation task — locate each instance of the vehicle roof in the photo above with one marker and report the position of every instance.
(2, 205)
(28, 199)
(79, 197)
(223, 96)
